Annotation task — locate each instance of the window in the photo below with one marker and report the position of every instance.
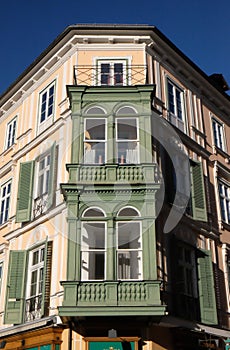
(93, 247)
(10, 133)
(28, 291)
(128, 246)
(35, 284)
(224, 193)
(112, 72)
(42, 186)
(127, 141)
(193, 283)
(5, 202)
(46, 108)
(36, 186)
(176, 105)
(218, 134)
(95, 141)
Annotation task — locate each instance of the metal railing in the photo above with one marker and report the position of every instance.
(92, 76)
(33, 308)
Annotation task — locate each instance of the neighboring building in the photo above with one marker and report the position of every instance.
(115, 197)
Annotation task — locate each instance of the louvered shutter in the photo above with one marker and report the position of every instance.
(198, 192)
(207, 297)
(46, 278)
(15, 294)
(52, 177)
(25, 192)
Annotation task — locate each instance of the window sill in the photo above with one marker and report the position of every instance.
(8, 150)
(217, 150)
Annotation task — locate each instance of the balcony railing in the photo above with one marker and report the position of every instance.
(92, 76)
(33, 308)
(120, 297)
(113, 173)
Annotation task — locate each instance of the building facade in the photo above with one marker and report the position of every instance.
(115, 197)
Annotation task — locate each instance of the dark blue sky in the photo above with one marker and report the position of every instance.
(199, 28)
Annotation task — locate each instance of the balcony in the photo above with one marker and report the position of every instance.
(94, 76)
(111, 174)
(106, 298)
(33, 308)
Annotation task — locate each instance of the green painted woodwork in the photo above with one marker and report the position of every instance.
(15, 294)
(111, 187)
(46, 277)
(198, 192)
(51, 176)
(111, 345)
(104, 297)
(15, 287)
(206, 288)
(25, 192)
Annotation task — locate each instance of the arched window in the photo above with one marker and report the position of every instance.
(93, 249)
(127, 136)
(126, 110)
(95, 136)
(128, 245)
(95, 110)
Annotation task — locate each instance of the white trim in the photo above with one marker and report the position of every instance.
(12, 142)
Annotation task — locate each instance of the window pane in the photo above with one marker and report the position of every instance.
(128, 212)
(95, 129)
(93, 265)
(129, 265)
(129, 235)
(118, 74)
(127, 129)
(93, 212)
(93, 235)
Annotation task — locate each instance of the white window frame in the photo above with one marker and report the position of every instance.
(218, 134)
(35, 313)
(127, 251)
(11, 133)
(112, 60)
(133, 158)
(41, 197)
(5, 199)
(85, 249)
(92, 159)
(224, 201)
(174, 117)
(44, 123)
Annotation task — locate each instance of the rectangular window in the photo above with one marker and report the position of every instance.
(127, 140)
(218, 134)
(35, 283)
(176, 105)
(112, 72)
(46, 109)
(129, 251)
(42, 185)
(10, 133)
(5, 202)
(93, 251)
(224, 194)
(95, 141)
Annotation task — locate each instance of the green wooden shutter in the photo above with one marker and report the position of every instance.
(25, 192)
(206, 288)
(46, 278)
(15, 287)
(51, 177)
(198, 192)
